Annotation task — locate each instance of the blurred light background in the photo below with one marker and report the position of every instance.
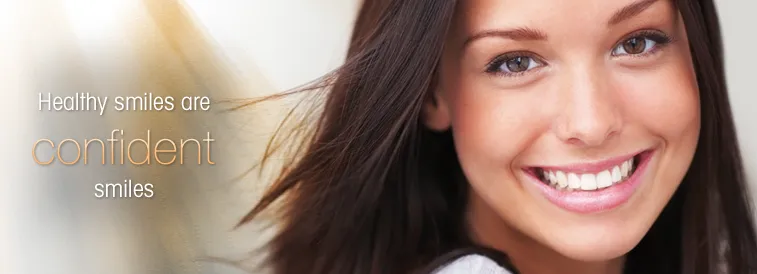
(49, 220)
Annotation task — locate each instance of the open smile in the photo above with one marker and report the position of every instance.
(589, 176)
(591, 187)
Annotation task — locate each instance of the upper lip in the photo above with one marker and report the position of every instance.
(591, 167)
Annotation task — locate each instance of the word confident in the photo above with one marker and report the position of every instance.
(164, 151)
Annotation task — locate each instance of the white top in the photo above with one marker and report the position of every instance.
(472, 264)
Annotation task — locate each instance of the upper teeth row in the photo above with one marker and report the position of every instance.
(589, 181)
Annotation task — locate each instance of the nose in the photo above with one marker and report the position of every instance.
(590, 115)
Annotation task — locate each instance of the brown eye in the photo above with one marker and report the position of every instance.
(634, 45)
(518, 64)
(642, 43)
(514, 64)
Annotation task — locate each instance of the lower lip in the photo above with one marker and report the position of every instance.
(597, 200)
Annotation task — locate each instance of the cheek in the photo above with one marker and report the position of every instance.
(663, 105)
(491, 128)
(664, 102)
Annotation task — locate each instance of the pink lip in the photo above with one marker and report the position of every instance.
(596, 200)
(581, 168)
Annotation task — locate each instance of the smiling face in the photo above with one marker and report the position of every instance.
(574, 121)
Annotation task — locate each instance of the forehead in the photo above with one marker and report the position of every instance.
(548, 15)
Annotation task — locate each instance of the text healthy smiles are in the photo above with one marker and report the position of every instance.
(88, 102)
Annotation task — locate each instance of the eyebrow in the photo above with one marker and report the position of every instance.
(630, 11)
(512, 34)
(525, 34)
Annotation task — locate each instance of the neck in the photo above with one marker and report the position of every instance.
(528, 255)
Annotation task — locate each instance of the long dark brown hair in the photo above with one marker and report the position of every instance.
(373, 191)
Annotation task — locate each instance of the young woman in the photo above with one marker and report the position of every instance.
(528, 136)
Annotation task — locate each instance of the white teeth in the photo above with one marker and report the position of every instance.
(604, 179)
(547, 175)
(624, 169)
(588, 181)
(562, 180)
(616, 177)
(573, 181)
(552, 177)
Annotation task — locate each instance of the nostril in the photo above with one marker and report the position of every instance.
(587, 123)
(590, 138)
(574, 141)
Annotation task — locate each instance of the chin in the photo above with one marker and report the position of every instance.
(597, 244)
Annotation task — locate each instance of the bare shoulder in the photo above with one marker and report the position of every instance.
(472, 264)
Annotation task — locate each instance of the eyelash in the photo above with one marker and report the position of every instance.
(494, 66)
(659, 38)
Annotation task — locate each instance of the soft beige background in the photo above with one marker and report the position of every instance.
(740, 41)
(49, 222)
